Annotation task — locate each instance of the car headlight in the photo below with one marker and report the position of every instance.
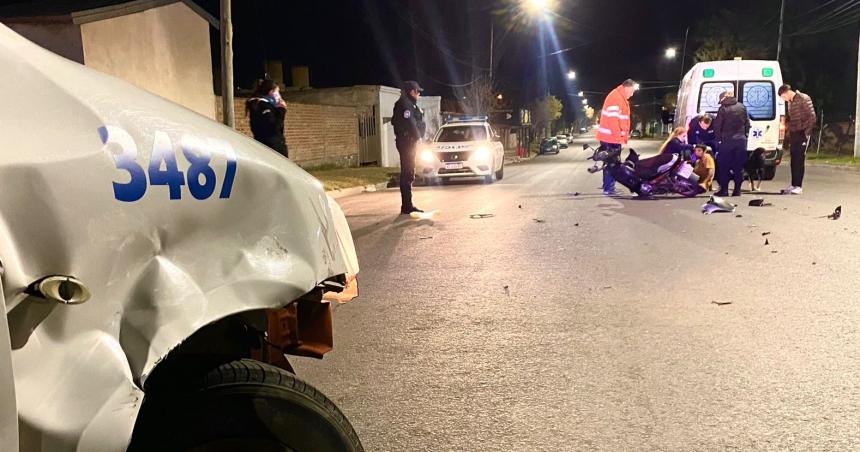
(554, 146)
(482, 154)
(427, 156)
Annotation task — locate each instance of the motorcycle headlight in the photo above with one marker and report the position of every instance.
(482, 154)
(427, 156)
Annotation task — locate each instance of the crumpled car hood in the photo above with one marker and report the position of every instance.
(77, 147)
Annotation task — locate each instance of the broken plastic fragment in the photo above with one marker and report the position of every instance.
(759, 202)
(717, 204)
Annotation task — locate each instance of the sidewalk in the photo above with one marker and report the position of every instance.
(339, 182)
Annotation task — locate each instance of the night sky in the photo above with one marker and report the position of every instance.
(444, 43)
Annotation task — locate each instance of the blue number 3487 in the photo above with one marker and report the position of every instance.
(200, 176)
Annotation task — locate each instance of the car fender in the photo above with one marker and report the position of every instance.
(158, 269)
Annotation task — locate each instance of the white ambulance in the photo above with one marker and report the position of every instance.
(755, 83)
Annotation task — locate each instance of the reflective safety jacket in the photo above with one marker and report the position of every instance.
(615, 118)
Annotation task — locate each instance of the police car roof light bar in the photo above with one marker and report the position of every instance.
(452, 118)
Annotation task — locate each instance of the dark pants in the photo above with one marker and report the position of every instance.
(730, 164)
(407, 172)
(799, 143)
(608, 180)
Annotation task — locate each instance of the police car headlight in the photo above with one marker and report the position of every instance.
(482, 154)
(426, 156)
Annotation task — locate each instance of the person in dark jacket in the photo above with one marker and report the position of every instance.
(731, 130)
(701, 132)
(409, 129)
(267, 110)
(801, 121)
(676, 144)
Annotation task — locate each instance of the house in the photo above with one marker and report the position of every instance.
(162, 46)
(374, 105)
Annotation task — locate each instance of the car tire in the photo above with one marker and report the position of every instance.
(244, 405)
(500, 174)
(768, 172)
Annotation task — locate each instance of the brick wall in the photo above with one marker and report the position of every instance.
(315, 134)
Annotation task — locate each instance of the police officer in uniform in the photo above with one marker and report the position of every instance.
(409, 129)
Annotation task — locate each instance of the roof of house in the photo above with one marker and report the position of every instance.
(84, 11)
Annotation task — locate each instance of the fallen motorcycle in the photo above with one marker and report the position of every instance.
(658, 175)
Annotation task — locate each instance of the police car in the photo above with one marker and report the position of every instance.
(466, 146)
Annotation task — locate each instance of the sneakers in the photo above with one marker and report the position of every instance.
(409, 210)
(796, 191)
(787, 191)
(612, 193)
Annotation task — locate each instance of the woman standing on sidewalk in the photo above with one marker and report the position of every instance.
(267, 110)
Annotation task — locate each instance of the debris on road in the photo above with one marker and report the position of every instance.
(576, 225)
(538, 220)
(759, 202)
(425, 238)
(507, 291)
(739, 216)
(520, 206)
(717, 204)
(721, 303)
(766, 243)
(765, 233)
(836, 213)
(574, 194)
(481, 216)
(774, 252)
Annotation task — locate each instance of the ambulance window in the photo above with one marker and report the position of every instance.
(462, 133)
(709, 95)
(759, 99)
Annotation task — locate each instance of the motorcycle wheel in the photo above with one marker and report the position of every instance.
(244, 405)
(687, 190)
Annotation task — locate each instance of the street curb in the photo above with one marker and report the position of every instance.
(357, 190)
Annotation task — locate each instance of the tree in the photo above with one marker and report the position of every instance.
(480, 97)
(730, 34)
(545, 110)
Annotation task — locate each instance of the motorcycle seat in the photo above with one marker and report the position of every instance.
(652, 166)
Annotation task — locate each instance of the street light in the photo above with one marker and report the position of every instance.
(584, 101)
(500, 97)
(636, 87)
(571, 75)
(671, 53)
(537, 5)
(580, 94)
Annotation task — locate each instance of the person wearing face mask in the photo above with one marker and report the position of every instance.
(267, 109)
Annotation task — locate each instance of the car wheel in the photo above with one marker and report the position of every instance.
(768, 173)
(244, 405)
(500, 174)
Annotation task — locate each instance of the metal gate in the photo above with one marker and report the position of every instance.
(369, 151)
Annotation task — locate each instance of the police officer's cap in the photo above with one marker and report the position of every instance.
(409, 85)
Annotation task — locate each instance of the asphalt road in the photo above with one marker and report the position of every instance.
(570, 322)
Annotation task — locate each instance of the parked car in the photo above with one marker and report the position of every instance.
(583, 130)
(563, 141)
(465, 146)
(156, 268)
(549, 146)
(636, 133)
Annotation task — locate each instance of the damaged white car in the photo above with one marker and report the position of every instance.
(155, 268)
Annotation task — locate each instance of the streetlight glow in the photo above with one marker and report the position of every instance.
(580, 94)
(636, 87)
(537, 5)
(571, 75)
(500, 97)
(584, 101)
(671, 52)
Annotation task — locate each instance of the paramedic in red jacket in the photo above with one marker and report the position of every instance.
(614, 128)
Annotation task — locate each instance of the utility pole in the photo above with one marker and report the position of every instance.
(684, 53)
(857, 111)
(492, 32)
(227, 63)
(779, 41)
